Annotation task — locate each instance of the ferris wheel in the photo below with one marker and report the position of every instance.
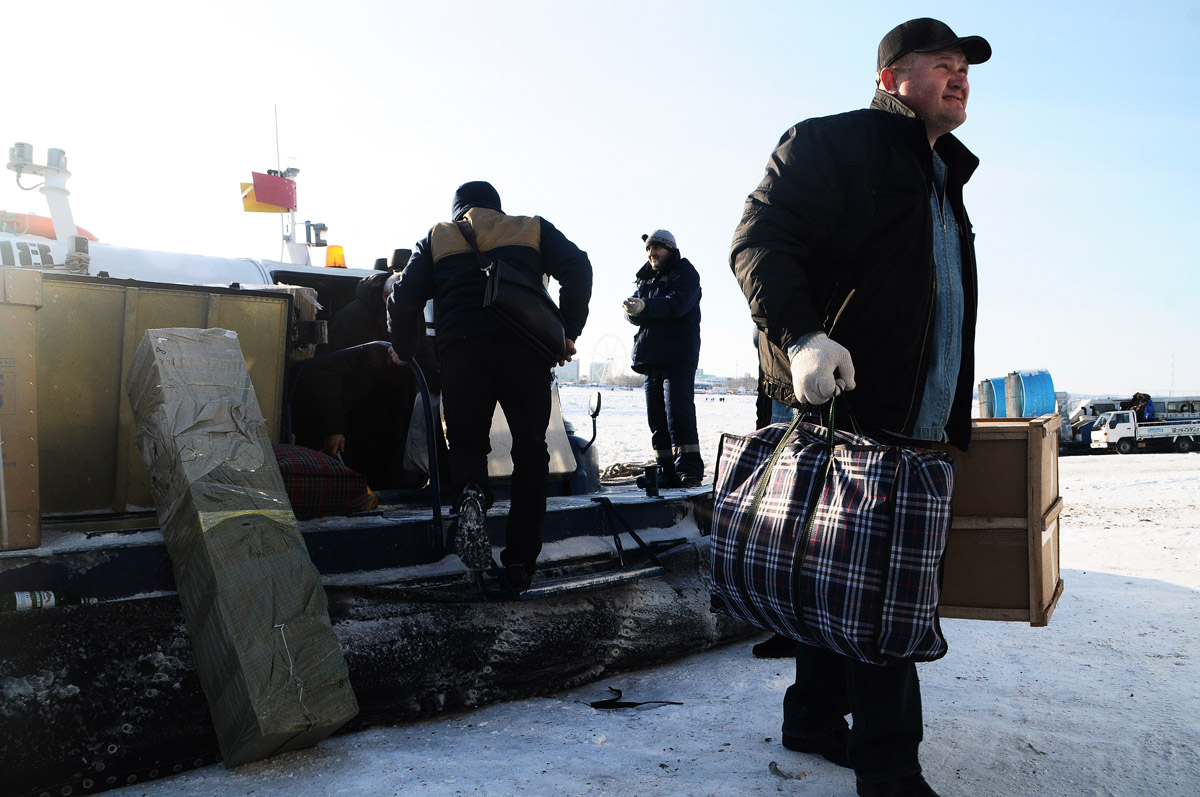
(610, 359)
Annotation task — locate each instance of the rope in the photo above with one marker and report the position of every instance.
(78, 262)
(292, 672)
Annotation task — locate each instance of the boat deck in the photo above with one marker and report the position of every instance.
(113, 557)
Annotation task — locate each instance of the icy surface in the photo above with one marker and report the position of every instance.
(1105, 700)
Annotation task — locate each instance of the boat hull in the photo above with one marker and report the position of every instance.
(96, 697)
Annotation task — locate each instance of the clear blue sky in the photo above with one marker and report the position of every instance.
(611, 119)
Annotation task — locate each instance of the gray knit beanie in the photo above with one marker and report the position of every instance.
(661, 238)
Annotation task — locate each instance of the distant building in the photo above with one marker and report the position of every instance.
(709, 383)
(568, 373)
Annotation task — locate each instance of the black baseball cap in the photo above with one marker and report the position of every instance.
(927, 35)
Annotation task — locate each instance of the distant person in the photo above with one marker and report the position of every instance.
(347, 405)
(665, 307)
(857, 258)
(484, 363)
(1138, 403)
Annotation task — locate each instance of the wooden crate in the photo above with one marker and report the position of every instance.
(1002, 558)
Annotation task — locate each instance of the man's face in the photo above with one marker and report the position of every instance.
(934, 86)
(657, 255)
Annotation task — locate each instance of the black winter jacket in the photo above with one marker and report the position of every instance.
(336, 386)
(363, 319)
(669, 328)
(444, 267)
(840, 229)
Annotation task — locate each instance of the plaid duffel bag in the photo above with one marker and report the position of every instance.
(833, 539)
(319, 485)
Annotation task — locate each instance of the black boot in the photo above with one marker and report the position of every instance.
(910, 786)
(777, 647)
(833, 746)
(519, 576)
(690, 468)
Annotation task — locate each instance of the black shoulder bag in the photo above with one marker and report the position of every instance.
(520, 302)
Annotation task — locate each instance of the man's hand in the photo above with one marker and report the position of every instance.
(633, 305)
(334, 444)
(569, 353)
(395, 358)
(821, 369)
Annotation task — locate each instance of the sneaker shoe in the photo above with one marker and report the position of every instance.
(832, 746)
(911, 786)
(691, 479)
(471, 541)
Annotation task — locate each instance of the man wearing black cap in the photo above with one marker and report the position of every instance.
(665, 308)
(483, 362)
(857, 258)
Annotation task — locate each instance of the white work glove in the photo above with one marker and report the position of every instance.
(633, 305)
(821, 369)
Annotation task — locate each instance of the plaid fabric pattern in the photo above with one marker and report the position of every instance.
(862, 576)
(318, 484)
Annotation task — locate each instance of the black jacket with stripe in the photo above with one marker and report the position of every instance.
(444, 268)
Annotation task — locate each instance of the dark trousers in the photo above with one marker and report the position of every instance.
(671, 413)
(885, 703)
(476, 374)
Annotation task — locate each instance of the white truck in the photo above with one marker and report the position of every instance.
(1122, 431)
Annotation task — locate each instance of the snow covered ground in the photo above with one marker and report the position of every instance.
(1104, 701)
(623, 435)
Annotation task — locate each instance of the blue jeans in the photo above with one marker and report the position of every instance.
(671, 413)
(781, 413)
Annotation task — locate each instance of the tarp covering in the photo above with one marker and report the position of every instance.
(268, 660)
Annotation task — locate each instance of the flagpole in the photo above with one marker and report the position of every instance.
(283, 230)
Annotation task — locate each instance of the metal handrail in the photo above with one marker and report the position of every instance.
(438, 539)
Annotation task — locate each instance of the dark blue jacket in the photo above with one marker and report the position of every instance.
(669, 328)
(444, 267)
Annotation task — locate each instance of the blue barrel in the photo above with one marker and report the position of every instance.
(1035, 393)
(993, 397)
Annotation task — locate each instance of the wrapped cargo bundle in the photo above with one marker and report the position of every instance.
(268, 659)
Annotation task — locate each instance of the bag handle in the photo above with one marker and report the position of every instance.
(814, 493)
(468, 232)
(760, 489)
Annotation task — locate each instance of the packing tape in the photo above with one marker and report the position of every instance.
(210, 519)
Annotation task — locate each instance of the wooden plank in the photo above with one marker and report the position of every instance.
(1053, 512)
(1043, 617)
(1033, 507)
(978, 613)
(971, 522)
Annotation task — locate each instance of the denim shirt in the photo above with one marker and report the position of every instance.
(945, 356)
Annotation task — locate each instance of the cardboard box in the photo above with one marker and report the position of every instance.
(1002, 557)
(266, 654)
(20, 509)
